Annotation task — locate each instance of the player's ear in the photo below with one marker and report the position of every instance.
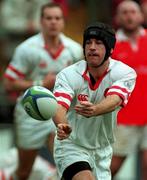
(111, 51)
(141, 17)
(41, 21)
(117, 19)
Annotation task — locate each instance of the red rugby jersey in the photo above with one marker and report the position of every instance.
(135, 55)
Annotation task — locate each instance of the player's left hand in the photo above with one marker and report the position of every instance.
(86, 108)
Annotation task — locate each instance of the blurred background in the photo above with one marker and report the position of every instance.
(19, 19)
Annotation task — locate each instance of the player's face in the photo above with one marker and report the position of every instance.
(52, 21)
(94, 52)
(129, 16)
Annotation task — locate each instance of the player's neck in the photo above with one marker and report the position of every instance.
(52, 41)
(99, 71)
(134, 34)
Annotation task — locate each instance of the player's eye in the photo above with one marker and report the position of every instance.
(88, 41)
(58, 18)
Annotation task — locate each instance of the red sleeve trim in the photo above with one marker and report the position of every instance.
(122, 89)
(9, 77)
(64, 104)
(67, 96)
(20, 74)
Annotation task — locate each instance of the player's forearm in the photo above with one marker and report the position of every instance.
(60, 116)
(63, 128)
(108, 104)
(17, 85)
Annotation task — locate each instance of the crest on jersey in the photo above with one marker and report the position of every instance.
(83, 97)
(129, 83)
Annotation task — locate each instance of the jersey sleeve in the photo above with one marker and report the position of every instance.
(78, 52)
(75, 50)
(124, 79)
(20, 64)
(63, 90)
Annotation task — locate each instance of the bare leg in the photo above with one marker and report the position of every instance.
(51, 142)
(144, 165)
(26, 161)
(116, 163)
(86, 175)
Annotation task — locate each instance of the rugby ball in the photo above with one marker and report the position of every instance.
(39, 103)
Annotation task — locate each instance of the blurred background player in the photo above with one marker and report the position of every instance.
(19, 20)
(86, 153)
(130, 48)
(36, 61)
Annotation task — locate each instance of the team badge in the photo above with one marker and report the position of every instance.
(83, 97)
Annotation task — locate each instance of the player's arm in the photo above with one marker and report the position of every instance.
(23, 62)
(108, 104)
(60, 120)
(23, 84)
(64, 93)
(17, 84)
(18, 68)
(118, 94)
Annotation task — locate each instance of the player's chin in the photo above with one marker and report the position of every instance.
(131, 27)
(53, 33)
(94, 62)
(94, 65)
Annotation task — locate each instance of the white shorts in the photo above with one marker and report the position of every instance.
(67, 153)
(31, 133)
(129, 139)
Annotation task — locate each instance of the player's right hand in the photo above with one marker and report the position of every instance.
(63, 131)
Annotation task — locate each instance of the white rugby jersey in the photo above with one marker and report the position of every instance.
(32, 61)
(73, 85)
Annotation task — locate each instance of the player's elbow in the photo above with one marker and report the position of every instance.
(115, 101)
